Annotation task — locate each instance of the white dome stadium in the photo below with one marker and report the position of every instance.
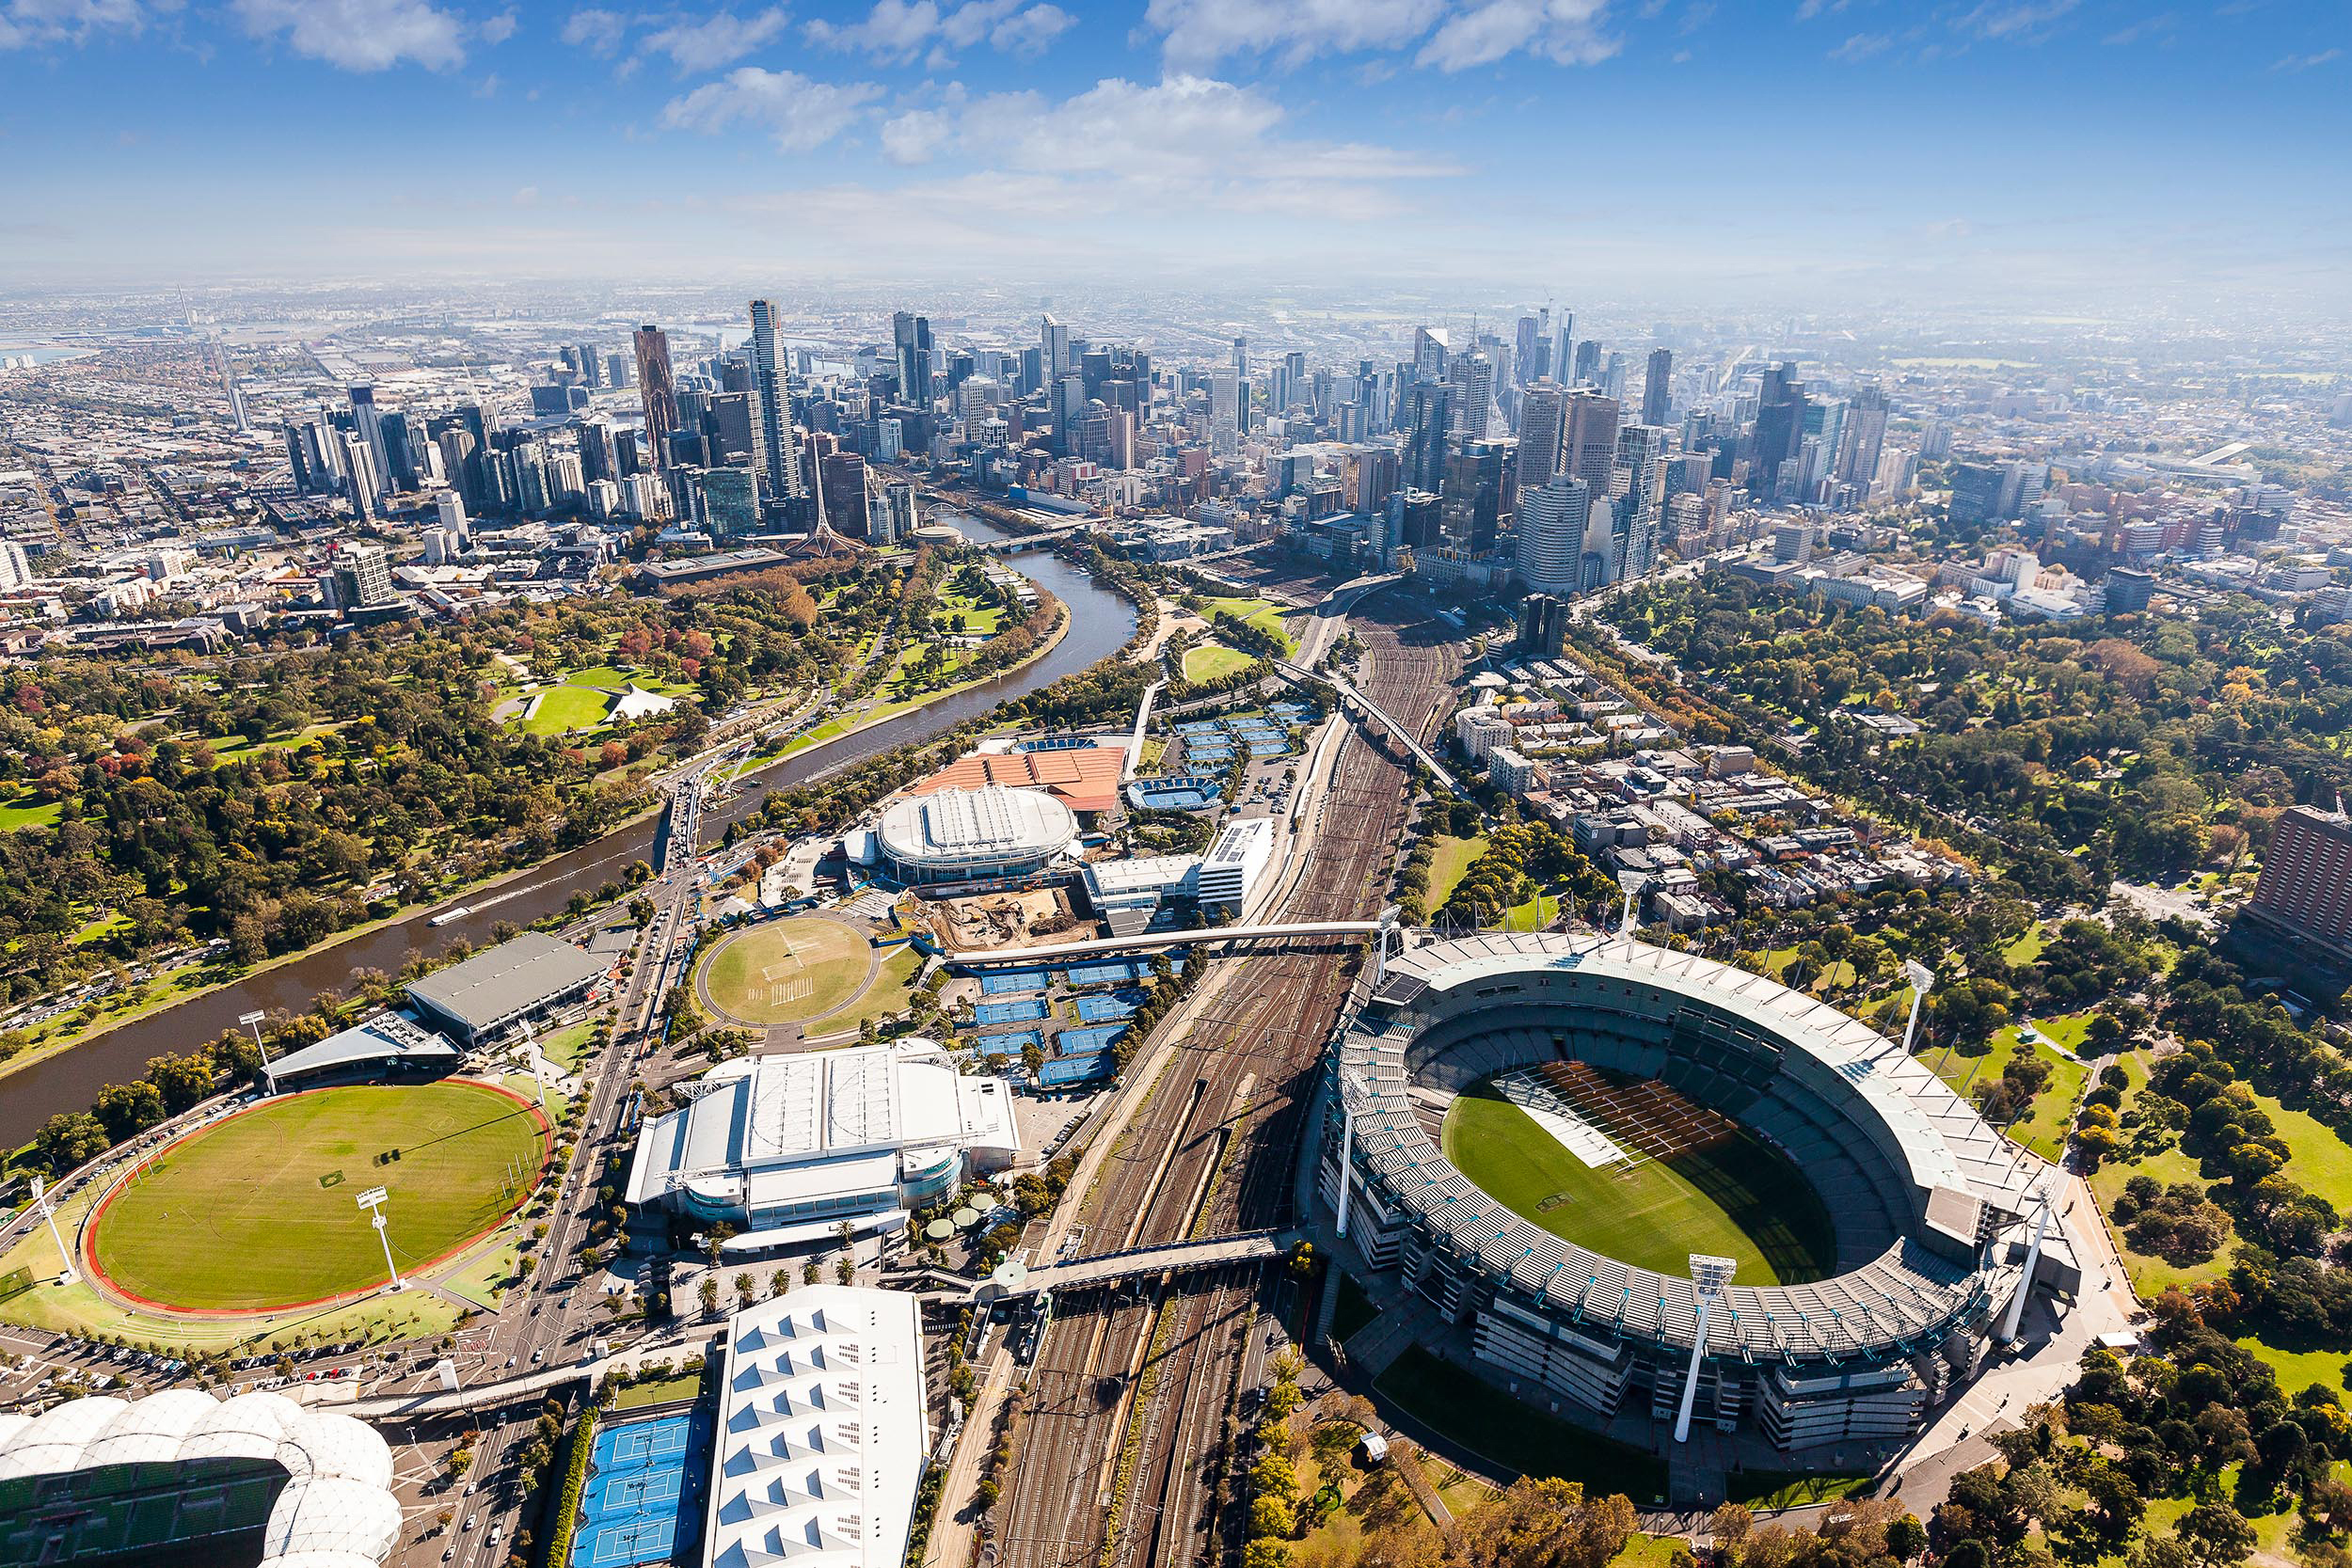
(956, 834)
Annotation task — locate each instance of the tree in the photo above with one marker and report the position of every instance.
(708, 1290)
(1906, 1538)
(2216, 1535)
(68, 1139)
(1546, 1524)
(126, 1110)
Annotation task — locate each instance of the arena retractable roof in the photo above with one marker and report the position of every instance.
(1960, 1181)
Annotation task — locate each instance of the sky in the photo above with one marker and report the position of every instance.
(1685, 151)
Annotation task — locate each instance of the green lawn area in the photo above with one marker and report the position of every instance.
(485, 1278)
(1509, 1433)
(28, 810)
(663, 1390)
(1531, 914)
(257, 1211)
(1451, 864)
(1207, 661)
(892, 991)
(1738, 1199)
(787, 971)
(1262, 614)
(566, 1045)
(2045, 1129)
(564, 710)
(2027, 947)
(2298, 1370)
(1774, 1489)
(1644, 1550)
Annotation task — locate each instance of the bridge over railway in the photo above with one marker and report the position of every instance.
(1205, 936)
(1073, 1274)
(1351, 697)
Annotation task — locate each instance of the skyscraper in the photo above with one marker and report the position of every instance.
(1424, 423)
(1551, 520)
(1241, 358)
(1779, 428)
(1524, 367)
(1540, 421)
(1865, 436)
(776, 454)
(658, 389)
(1658, 387)
(1430, 353)
(1638, 447)
(911, 335)
(370, 427)
(1053, 349)
(1588, 440)
(1587, 363)
(1472, 379)
(1224, 412)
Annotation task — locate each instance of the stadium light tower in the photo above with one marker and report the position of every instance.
(1389, 918)
(1710, 1276)
(2033, 1258)
(1349, 1088)
(1633, 882)
(1922, 980)
(40, 1201)
(373, 1201)
(531, 1059)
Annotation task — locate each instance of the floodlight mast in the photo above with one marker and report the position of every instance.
(2033, 1259)
(1709, 1277)
(40, 1201)
(1633, 882)
(373, 1201)
(1922, 980)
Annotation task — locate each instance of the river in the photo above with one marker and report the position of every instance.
(1101, 622)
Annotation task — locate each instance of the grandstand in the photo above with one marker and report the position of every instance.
(1628, 1055)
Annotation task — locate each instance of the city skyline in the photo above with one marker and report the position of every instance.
(1675, 152)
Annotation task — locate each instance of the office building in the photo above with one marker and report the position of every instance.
(658, 389)
(1658, 387)
(1779, 428)
(1543, 624)
(1235, 862)
(1471, 377)
(1053, 348)
(1588, 440)
(1865, 436)
(1551, 523)
(2306, 885)
(778, 454)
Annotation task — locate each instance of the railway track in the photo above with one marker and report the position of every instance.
(1123, 1453)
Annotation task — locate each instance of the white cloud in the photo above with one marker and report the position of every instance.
(2023, 19)
(599, 32)
(918, 135)
(1861, 46)
(2307, 62)
(1148, 150)
(1566, 31)
(1200, 33)
(900, 29)
(798, 113)
(360, 35)
(716, 41)
(498, 29)
(27, 23)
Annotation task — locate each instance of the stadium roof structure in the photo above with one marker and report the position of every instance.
(482, 993)
(335, 1511)
(989, 825)
(389, 1037)
(1966, 1181)
(772, 1131)
(1083, 778)
(822, 1432)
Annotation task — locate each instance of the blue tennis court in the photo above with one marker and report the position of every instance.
(1197, 726)
(1117, 974)
(644, 1492)
(1087, 1042)
(1014, 982)
(1101, 1009)
(1028, 1009)
(1065, 1070)
(1000, 1046)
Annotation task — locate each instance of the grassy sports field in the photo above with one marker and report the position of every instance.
(1738, 1199)
(1207, 661)
(787, 971)
(258, 1210)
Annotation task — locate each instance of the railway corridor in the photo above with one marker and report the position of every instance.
(1122, 1457)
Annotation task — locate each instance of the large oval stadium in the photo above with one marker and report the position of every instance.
(1549, 1136)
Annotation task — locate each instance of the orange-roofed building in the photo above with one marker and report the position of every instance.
(1084, 778)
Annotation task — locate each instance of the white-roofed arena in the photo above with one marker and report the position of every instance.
(1930, 1211)
(180, 1476)
(786, 1148)
(961, 835)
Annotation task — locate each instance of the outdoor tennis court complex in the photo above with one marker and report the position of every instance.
(1540, 1133)
(644, 1498)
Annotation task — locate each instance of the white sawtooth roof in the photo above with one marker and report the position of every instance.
(822, 1432)
(993, 822)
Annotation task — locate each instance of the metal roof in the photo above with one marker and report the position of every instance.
(512, 977)
(1908, 1297)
